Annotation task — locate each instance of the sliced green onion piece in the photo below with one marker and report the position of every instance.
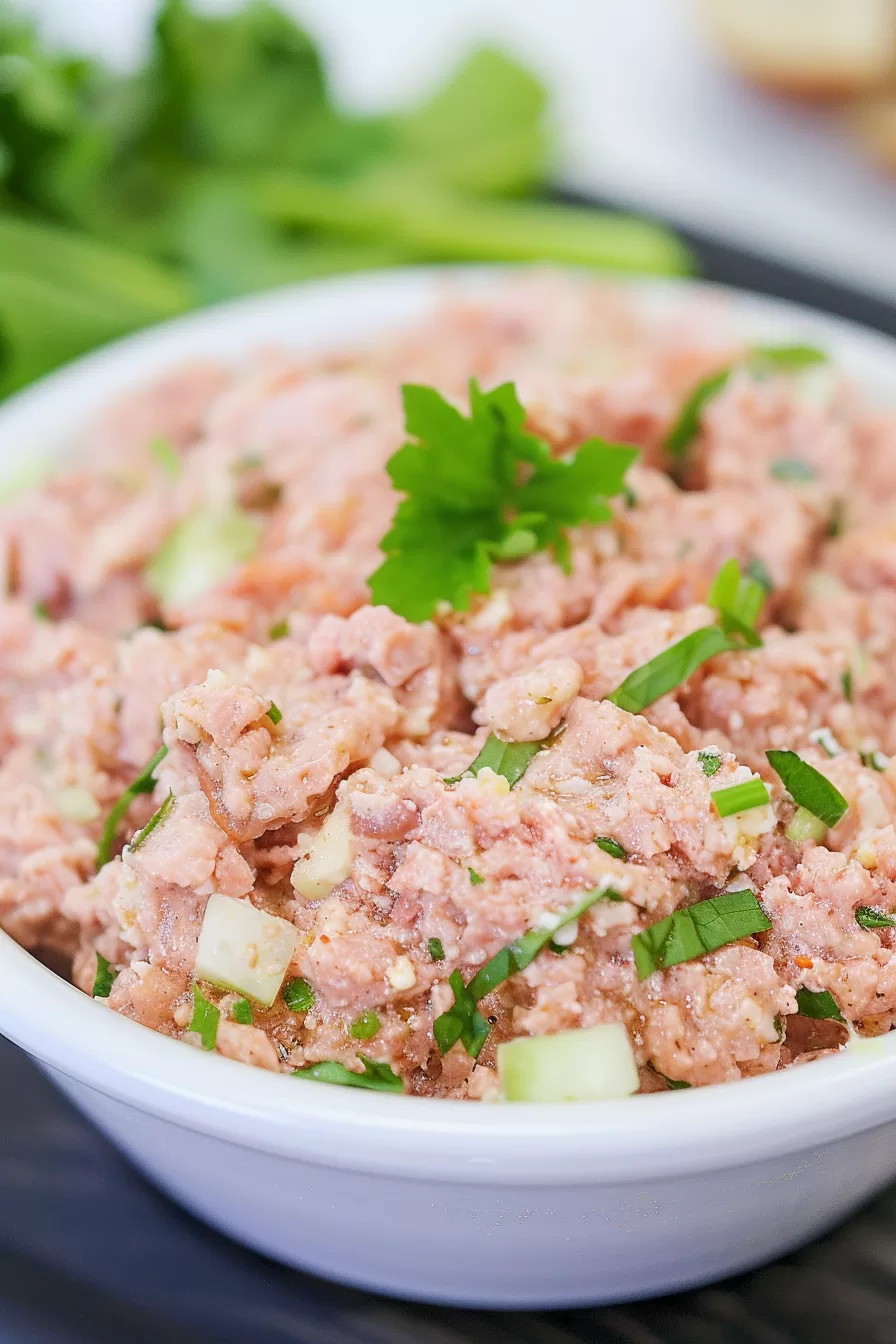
(42, 611)
(509, 759)
(155, 820)
(785, 358)
(701, 928)
(808, 787)
(167, 457)
(274, 714)
(298, 995)
(740, 797)
(279, 630)
(791, 469)
(805, 826)
(435, 949)
(241, 1011)
(105, 978)
(611, 847)
(201, 551)
(205, 1019)
(710, 760)
(365, 1026)
(869, 918)
(589, 1064)
(819, 1004)
(475, 879)
(874, 760)
(846, 684)
(669, 669)
(687, 426)
(377, 1077)
(738, 600)
(144, 783)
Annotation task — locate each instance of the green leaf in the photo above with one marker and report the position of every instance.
(669, 669)
(144, 783)
(200, 552)
(509, 759)
(785, 358)
(711, 762)
(377, 1077)
(274, 714)
(241, 1011)
(365, 1026)
(611, 847)
(435, 949)
(740, 797)
(462, 1022)
(475, 879)
(701, 928)
(205, 1019)
(155, 820)
(819, 1004)
(167, 457)
(279, 630)
(808, 787)
(298, 995)
(105, 978)
(738, 598)
(869, 918)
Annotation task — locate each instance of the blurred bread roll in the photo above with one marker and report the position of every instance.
(808, 48)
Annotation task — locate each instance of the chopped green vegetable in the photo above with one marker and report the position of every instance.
(820, 1004)
(274, 714)
(365, 1026)
(711, 762)
(674, 1084)
(508, 759)
(869, 918)
(167, 457)
(669, 669)
(241, 1011)
(808, 787)
(846, 684)
(479, 489)
(144, 783)
(701, 928)
(279, 630)
(740, 797)
(42, 611)
(874, 760)
(205, 1019)
(791, 469)
(824, 738)
(475, 878)
(155, 820)
(462, 1022)
(805, 826)
(298, 995)
(200, 551)
(105, 978)
(587, 1064)
(435, 949)
(377, 1077)
(785, 358)
(758, 572)
(611, 847)
(738, 600)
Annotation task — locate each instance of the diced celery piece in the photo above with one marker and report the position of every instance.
(591, 1064)
(805, 826)
(244, 949)
(200, 552)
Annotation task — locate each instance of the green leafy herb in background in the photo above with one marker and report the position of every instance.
(223, 166)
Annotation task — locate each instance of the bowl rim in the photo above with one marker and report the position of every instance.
(661, 1135)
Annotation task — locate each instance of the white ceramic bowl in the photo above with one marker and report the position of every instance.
(479, 1205)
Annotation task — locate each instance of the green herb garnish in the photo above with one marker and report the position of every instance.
(475, 879)
(377, 1077)
(241, 1011)
(279, 630)
(155, 820)
(144, 783)
(298, 995)
(462, 1022)
(42, 611)
(167, 457)
(846, 684)
(509, 759)
(869, 918)
(274, 714)
(205, 1019)
(701, 928)
(757, 570)
(711, 762)
(738, 599)
(740, 797)
(819, 1004)
(669, 669)
(435, 949)
(105, 978)
(365, 1026)
(611, 847)
(479, 489)
(808, 787)
(874, 760)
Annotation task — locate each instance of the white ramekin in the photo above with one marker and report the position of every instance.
(479, 1205)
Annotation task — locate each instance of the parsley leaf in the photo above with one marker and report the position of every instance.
(144, 783)
(105, 978)
(205, 1019)
(710, 760)
(241, 1011)
(435, 949)
(479, 488)
(298, 995)
(701, 928)
(819, 1004)
(808, 787)
(274, 714)
(377, 1077)
(509, 759)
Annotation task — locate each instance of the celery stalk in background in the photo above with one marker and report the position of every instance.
(224, 166)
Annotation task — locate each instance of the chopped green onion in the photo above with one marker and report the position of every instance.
(241, 1011)
(818, 1004)
(509, 759)
(756, 570)
(199, 552)
(701, 928)
(167, 457)
(669, 669)
(874, 760)
(824, 738)
(144, 783)
(377, 1077)
(846, 684)
(740, 797)
(42, 611)
(791, 469)
(274, 714)
(611, 847)
(805, 826)
(738, 600)
(475, 879)
(205, 1019)
(462, 1022)
(298, 995)
(687, 426)
(874, 919)
(710, 760)
(808, 787)
(365, 1026)
(279, 630)
(155, 820)
(785, 358)
(435, 949)
(105, 978)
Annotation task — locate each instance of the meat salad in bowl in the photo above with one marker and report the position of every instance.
(500, 710)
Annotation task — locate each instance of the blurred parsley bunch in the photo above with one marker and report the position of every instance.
(224, 166)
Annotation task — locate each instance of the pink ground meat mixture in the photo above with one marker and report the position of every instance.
(378, 713)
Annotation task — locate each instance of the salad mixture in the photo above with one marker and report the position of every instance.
(504, 710)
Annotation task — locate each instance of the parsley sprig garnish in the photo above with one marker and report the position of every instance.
(144, 783)
(701, 928)
(808, 787)
(478, 489)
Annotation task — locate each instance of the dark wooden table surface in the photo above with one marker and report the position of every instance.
(90, 1253)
